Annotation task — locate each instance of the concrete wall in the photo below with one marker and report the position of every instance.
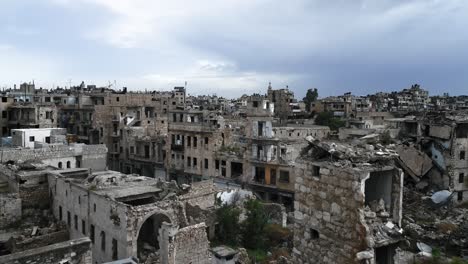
(21, 137)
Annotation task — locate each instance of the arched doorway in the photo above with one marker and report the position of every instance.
(148, 234)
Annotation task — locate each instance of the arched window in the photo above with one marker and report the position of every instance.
(68, 164)
(60, 165)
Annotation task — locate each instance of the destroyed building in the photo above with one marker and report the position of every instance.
(123, 214)
(444, 138)
(348, 205)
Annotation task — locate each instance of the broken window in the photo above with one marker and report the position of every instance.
(195, 162)
(195, 142)
(189, 141)
(236, 169)
(103, 241)
(114, 249)
(460, 196)
(206, 163)
(378, 189)
(83, 227)
(255, 103)
(60, 165)
(260, 129)
(91, 233)
(31, 139)
(461, 177)
(223, 162)
(260, 174)
(462, 155)
(60, 213)
(316, 171)
(206, 140)
(68, 218)
(314, 234)
(284, 176)
(68, 164)
(217, 164)
(76, 222)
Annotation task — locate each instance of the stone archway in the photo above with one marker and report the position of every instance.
(148, 235)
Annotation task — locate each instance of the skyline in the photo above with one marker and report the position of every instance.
(236, 47)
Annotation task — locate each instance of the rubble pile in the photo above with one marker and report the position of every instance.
(444, 227)
(353, 152)
(384, 231)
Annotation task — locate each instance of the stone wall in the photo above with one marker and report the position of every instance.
(328, 226)
(329, 221)
(10, 209)
(186, 245)
(76, 251)
(16, 245)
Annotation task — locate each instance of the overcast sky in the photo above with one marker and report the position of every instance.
(232, 47)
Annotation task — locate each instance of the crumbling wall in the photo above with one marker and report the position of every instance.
(76, 251)
(19, 245)
(10, 209)
(201, 194)
(186, 245)
(328, 223)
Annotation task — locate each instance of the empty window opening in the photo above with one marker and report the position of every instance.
(68, 218)
(60, 165)
(91, 233)
(384, 255)
(460, 196)
(379, 186)
(68, 164)
(314, 234)
(103, 241)
(31, 139)
(260, 174)
(461, 177)
(114, 249)
(76, 222)
(237, 169)
(83, 227)
(316, 171)
(462, 155)
(284, 176)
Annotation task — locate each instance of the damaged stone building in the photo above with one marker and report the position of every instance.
(348, 206)
(102, 216)
(444, 138)
(123, 214)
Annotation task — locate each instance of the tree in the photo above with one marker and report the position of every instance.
(327, 119)
(311, 96)
(253, 228)
(229, 227)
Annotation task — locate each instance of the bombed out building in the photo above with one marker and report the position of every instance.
(348, 206)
